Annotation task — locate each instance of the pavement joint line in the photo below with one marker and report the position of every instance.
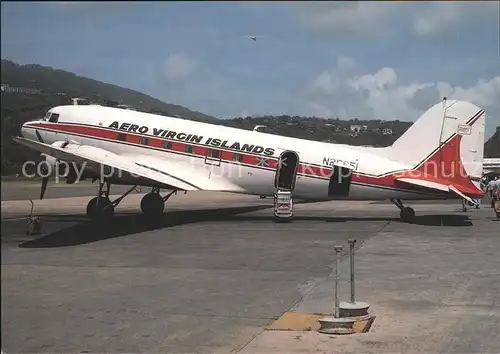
(317, 282)
(244, 345)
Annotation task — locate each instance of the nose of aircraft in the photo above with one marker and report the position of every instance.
(24, 129)
(27, 131)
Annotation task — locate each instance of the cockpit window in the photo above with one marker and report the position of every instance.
(54, 117)
(47, 115)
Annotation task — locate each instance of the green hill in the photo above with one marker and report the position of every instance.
(30, 90)
(58, 86)
(492, 146)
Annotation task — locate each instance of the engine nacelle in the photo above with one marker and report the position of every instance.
(72, 174)
(51, 166)
(49, 160)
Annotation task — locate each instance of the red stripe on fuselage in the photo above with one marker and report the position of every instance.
(388, 180)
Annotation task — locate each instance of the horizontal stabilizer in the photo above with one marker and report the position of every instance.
(437, 186)
(455, 190)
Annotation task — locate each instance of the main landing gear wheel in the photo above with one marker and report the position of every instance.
(100, 208)
(152, 204)
(407, 214)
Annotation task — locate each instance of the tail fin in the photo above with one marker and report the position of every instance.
(450, 137)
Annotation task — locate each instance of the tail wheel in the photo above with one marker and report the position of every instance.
(407, 214)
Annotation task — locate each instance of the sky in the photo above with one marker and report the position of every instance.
(370, 60)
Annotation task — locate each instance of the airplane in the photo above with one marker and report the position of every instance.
(254, 38)
(491, 169)
(439, 157)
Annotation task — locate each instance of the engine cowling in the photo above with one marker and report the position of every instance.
(50, 166)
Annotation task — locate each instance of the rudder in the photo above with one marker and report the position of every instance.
(447, 141)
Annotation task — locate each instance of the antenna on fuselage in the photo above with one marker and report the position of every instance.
(443, 119)
(79, 101)
(75, 101)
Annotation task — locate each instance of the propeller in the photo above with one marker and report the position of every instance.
(43, 168)
(45, 180)
(39, 137)
(44, 171)
(47, 162)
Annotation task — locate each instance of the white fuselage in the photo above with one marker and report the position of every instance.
(247, 159)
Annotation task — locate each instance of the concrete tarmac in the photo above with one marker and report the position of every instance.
(215, 271)
(30, 189)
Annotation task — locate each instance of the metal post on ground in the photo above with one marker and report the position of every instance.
(351, 256)
(337, 250)
(353, 309)
(336, 324)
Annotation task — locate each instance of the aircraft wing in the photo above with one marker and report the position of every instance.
(133, 169)
(437, 186)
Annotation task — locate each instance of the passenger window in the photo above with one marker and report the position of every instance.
(237, 157)
(167, 145)
(54, 117)
(213, 153)
(121, 136)
(144, 140)
(189, 149)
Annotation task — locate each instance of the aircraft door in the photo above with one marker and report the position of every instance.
(213, 157)
(286, 171)
(340, 182)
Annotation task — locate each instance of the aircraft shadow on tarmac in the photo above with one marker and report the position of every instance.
(126, 224)
(424, 220)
